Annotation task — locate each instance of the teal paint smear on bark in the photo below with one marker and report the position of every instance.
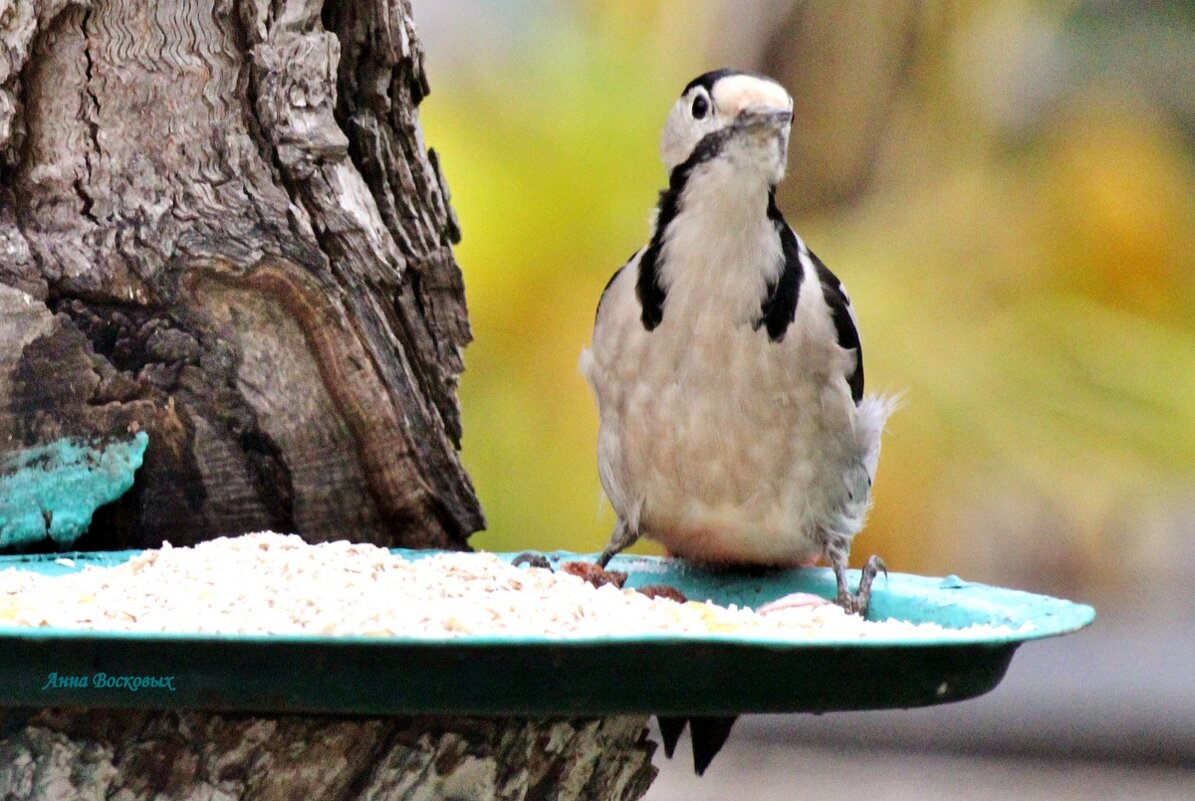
(51, 491)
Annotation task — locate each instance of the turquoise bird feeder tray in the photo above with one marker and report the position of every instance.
(670, 674)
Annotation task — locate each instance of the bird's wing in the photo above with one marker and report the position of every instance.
(606, 290)
(617, 312)
(609, 308)
(779, 307)
(844, 322)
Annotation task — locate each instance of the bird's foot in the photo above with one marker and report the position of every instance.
(858, 602)
(620, 539)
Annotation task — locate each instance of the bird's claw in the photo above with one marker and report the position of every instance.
(605, 557)
(623, 537)
(857, 603)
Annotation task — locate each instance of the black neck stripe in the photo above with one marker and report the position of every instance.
(779, 307)
(648, 288)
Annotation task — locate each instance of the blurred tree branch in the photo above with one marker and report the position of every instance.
(847, 65)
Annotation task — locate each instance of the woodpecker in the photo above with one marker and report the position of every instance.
(727, 366)
(726, 359)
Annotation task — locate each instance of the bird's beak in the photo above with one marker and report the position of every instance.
(763, 119)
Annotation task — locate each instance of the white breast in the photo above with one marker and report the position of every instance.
(716, 441)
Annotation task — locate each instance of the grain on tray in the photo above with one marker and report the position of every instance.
(270, 583)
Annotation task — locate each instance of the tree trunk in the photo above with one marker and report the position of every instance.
(220, 226)
(142, 756)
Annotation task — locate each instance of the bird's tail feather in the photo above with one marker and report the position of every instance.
(872, 414)
(708, 735)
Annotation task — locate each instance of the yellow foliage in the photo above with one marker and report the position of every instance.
(1036, 306)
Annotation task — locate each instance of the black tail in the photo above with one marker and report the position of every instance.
(670, 731)
(709, 734)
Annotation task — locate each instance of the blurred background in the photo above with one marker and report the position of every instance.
(1008, 191)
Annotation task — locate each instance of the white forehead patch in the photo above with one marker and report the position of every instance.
(734, 93)
(731, 95)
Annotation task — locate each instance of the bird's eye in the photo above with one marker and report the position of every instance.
(701, 107)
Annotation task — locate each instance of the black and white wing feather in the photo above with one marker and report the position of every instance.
(780, 305)
(844, 322)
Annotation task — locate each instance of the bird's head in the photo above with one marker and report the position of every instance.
(727, 113)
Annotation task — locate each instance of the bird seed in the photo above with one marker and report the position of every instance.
(266, 583)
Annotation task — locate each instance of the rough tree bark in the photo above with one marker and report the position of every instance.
(140, 756)
(219, 224)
